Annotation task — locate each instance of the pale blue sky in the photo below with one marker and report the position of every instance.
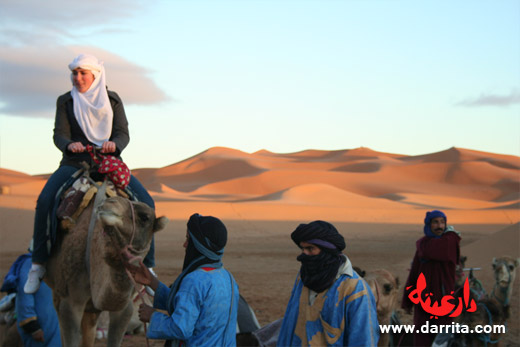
(408, 77)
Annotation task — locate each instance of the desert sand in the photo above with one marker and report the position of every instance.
(376, 200)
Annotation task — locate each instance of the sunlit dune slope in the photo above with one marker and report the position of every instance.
(363, 179)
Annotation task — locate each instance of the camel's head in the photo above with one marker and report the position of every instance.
(385, 287)
(505, 270)
(129, 223)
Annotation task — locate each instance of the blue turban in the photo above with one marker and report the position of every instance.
(427, 222)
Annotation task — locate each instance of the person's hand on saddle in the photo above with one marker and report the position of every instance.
(108, 147)
(145, 313)
(76, 147)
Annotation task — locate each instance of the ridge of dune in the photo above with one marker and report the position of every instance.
(9, 177)
(455, 154)
(202, 160)
(330, 155)
(327, 195)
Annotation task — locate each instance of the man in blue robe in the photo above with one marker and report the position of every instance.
(36, 318)
(202, 303)
(330, 304)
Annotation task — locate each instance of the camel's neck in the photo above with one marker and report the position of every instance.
(502, 294)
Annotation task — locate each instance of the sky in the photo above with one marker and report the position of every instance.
(399, 76)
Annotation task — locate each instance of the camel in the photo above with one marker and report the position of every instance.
(493, 309)
(385, 287)
(504, 269)
(83, 290)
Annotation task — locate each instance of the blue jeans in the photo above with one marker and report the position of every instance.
(45, 204)
(142, 195)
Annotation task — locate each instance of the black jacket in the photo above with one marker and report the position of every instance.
(67, 129)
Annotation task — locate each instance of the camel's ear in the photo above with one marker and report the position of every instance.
(517, 262)
(494, 263)
(160, 223)
(397, 284)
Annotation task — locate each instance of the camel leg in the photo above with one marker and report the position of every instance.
(384, 339)
(70, 314)
(118, 322)
(88, 328)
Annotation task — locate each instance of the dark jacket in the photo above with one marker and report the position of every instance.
(67, 129)
(436, 259)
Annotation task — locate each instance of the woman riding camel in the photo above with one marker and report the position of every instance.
(89, 114)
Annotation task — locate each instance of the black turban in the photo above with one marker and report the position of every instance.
(208, 236)
(320, 233)
(318, 272)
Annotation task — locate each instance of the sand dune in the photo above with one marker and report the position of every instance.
(456, 179)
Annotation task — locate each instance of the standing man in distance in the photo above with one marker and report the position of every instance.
(437, 254)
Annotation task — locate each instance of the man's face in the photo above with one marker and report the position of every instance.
(437, 225)
(309, 248)
(185, 245)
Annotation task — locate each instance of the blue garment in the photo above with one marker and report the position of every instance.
(203, 315)
(44, 204)
(141, 194)
(343, 315)
(37, 306)
(12, 278)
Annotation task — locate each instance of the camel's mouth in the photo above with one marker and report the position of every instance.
(503, 283)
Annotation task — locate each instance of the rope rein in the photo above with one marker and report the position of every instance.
(126, 252)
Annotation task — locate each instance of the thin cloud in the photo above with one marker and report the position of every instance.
(33, 77)
(53, 16)
(35, 50)
(493, 100)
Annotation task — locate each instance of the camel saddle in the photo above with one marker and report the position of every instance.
(77, 197)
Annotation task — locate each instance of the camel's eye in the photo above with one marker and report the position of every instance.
(143, 217)
(388, 288)
(511, 267)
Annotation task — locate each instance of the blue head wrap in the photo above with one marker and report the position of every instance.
(207, 238)
(427, 222)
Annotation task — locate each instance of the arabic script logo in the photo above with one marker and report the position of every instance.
(448, 305)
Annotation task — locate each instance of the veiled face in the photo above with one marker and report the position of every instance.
(82, 79)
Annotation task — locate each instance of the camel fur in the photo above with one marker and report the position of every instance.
(385, 287)
(82, 291)
(504, 269)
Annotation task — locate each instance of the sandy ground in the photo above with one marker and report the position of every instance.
(261, 256)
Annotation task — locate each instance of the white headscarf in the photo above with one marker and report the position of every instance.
(92, 109)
